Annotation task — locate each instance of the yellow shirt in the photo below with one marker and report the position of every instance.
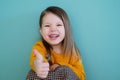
(74, 64)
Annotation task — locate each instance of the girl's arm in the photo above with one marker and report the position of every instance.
(78, 68)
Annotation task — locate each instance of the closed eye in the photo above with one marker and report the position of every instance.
(59, 24)
(47, 26)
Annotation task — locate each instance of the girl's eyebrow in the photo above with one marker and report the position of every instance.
(59, 22)
(46, 23)
(49, 23)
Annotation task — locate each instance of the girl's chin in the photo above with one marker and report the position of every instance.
(54, 43)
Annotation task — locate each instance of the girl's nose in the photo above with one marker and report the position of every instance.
(53, 28)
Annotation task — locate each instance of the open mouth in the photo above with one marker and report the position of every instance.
(53, 36)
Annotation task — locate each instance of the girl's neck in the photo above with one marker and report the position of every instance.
(57, 49)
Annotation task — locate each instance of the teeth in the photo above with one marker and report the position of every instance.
(53, 36)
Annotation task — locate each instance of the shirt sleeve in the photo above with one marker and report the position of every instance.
(78, 68)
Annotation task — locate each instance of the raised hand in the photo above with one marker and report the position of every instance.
(41, 67)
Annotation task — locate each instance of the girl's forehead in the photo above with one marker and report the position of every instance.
(50, 17)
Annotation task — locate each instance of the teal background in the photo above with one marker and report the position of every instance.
(95, 26)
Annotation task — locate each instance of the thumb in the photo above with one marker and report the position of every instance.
(38, 55)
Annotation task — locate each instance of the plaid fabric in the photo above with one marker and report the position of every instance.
(61, 73)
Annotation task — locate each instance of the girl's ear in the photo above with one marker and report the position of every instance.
(40, 31)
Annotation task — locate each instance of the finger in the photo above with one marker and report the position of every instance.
(38, 55)
(44, 70)
(42, 74)
(52, 68)
(45, 64)
(37, 64)
(42, 65)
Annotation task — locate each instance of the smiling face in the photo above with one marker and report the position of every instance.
(52, 29)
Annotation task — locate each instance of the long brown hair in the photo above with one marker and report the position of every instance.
(69, 47)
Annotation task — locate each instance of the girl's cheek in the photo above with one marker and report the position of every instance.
(45, 31)
(62, 31)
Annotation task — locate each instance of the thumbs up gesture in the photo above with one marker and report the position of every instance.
(41, 67)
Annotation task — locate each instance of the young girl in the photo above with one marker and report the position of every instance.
(55, 57)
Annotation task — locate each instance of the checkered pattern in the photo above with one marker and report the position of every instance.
(61, 73)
